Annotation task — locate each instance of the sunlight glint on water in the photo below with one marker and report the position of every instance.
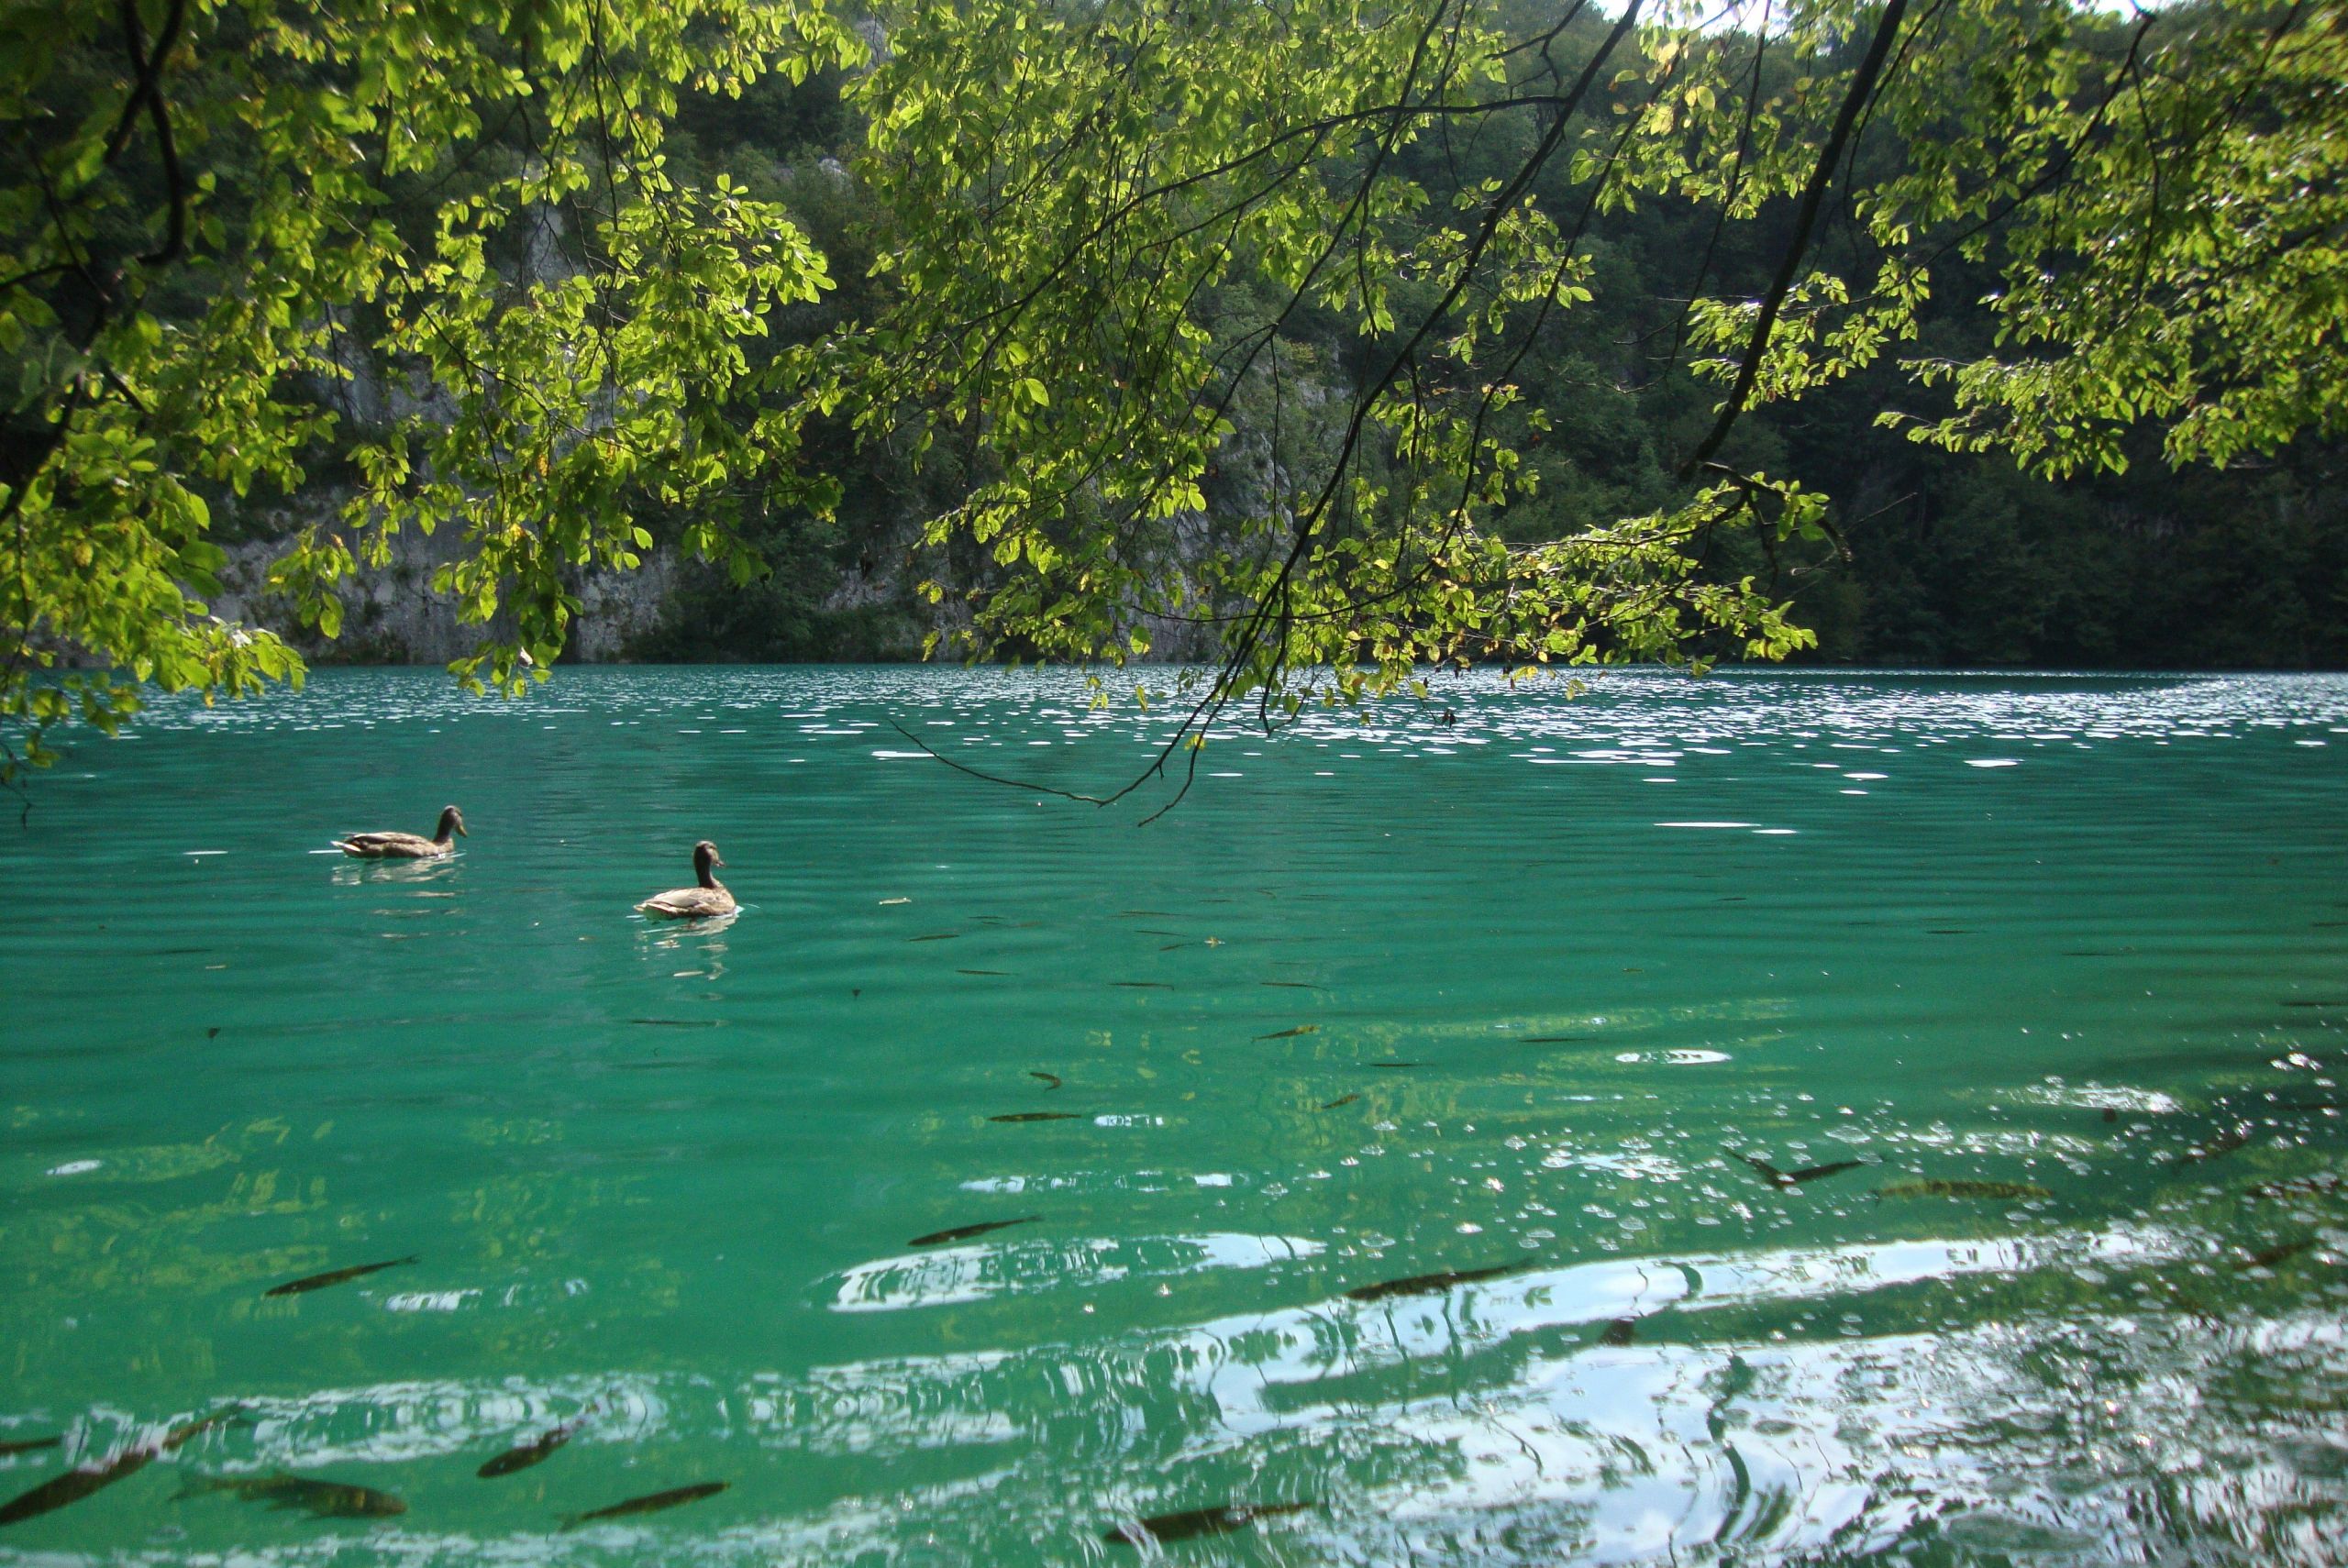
(1520, 999)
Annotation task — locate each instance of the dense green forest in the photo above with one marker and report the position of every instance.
(1953, 559)
(1312, 345)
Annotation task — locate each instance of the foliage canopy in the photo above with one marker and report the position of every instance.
(1138, 261)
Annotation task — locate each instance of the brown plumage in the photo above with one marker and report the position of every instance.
(694, 903)
(408, 845)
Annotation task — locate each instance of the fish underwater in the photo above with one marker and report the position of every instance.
(336, 1277)
(75, 1484)
(79, 1482)
(1341, 1100)
(1051, 1080)
(523, 1455)
(964, 1232)
(1291, 1033)
(1429, 1284)
(1938, 1187)
(676, 1496)
(1776, 1177)
(1193, 1522)
(321, 1499)
(2296, 1186)
(2279, 1252)
(1620, 1331)
(2224, 1140)
(1038, 1116)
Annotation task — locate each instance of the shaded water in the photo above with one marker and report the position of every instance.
(1517, 1000)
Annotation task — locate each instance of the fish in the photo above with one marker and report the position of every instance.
(2276, 1254)
(1397, 1064)
(1193, 1522)
(1153, 930)
(75, 1484)
(1291, 1033)
(79, 1482)
(1553, 1039)
(1143, 985)
(1172, 945)
(1807, 1173)
(1038, 1116)
(676, 1496)
(1429, 1284)
(964, 1232)
(1950, 930)
(321, 1499)
(1936, 1187)
(1341, 1100)
(676, 1022)
(935, 936)
(1154, 914)
(2294, 1187)
(2315, 1004)
(1051, 1080)
(2225, 1141)
(334, 1276)
(212, 1032)
(1293, 984)
(1618, 1331)
(27, 1445)
(523, 1455)
(998, 974)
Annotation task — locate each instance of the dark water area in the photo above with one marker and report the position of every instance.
(1778, 1118)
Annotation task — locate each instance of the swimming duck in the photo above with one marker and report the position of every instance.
(694, 903)
(408, 845)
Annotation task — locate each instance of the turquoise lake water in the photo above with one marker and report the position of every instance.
(1516, 1000)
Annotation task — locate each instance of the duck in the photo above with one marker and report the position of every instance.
(408, 845)
(710, 898)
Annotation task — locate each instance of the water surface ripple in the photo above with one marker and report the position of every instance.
(1441, 1125)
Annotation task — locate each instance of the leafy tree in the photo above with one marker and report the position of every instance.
(1337, 338)
(218, 211)
(2156, 198)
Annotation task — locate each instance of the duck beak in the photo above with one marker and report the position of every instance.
(461, 832)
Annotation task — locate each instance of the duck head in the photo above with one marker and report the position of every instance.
(452, 821)
(706, 859)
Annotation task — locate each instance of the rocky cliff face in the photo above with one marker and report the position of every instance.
(391, 617)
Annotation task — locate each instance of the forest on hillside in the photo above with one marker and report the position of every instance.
(1308, 344)
(1952, 560)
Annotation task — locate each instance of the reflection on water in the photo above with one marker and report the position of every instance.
(1918, 1139)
